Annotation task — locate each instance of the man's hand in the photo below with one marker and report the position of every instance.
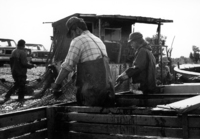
(56, 89)
(122, 77)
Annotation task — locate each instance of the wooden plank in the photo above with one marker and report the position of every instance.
(22, 129)
(185, 126)
(50, 121)
(101, 110)
(37, 135)
(125, 129)
(184, 88)
(22, 117)
(144, 120)
(155, 96)
(78, 135)
(183, 106)
(124, 102)
(193, 121)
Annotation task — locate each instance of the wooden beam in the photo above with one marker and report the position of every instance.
(18, 130)
(125, 102)
(79, 135)
(114, 110)
(144, 120)
(126, 129)
(50, 121)
(183, 106)
(185, 126)
(15, 118)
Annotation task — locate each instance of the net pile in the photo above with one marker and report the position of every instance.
(40, 93)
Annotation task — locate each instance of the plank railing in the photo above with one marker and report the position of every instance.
(27, 124)
(125, 123)
(80, 122)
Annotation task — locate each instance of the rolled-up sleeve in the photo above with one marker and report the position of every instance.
(73, 56)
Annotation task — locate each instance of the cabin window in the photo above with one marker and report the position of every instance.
(112, 34)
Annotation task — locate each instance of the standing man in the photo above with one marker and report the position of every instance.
(143, 70)
(19, 65)
(88, 53)
(167, 77)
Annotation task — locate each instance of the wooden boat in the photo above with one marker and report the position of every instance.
(172, 114)
(188, 69)
(155, 116)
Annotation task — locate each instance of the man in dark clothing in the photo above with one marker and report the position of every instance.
(19, 66)
(143, 70)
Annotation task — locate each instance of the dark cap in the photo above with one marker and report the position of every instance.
(135, 36)
(70, 22)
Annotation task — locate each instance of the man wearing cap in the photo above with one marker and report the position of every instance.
(166, 74)
(143, 70)
(87, 52)
(19, 66)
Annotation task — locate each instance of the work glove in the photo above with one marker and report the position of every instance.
(56, 89)
(122, 77)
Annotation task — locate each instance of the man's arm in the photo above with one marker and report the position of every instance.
(61, 76)
(56, 86)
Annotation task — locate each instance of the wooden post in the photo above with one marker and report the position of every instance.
(120, 51)
(99, 28)
(158, 30)
(50, 121)
(185, 126)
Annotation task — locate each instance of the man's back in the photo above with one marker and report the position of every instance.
(18, 62)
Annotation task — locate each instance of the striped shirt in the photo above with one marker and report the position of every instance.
(82, 49)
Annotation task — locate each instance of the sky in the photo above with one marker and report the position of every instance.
(24, 19)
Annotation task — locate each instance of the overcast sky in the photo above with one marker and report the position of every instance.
(23, 19)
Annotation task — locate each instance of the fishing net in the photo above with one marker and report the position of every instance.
(39, 92)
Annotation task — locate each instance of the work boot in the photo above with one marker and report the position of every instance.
(21, 93)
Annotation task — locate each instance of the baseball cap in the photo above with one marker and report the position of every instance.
(70, 22)
(135, 36)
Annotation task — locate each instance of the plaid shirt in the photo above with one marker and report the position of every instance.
(82, 49)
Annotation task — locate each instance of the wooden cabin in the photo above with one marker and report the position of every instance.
(113, 30)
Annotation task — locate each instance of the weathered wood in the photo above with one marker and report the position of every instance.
(183, 106)
(22, 117)
(50, 121)
(144, 120)
(114, 110)
(124, 102)
(37, 135)
(185, 126)
(78, 135)
(22, 129)
(128, 94)
(126, 129)
(183, 88)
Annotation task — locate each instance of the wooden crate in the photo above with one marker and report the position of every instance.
(28, 124)
(79, 122)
